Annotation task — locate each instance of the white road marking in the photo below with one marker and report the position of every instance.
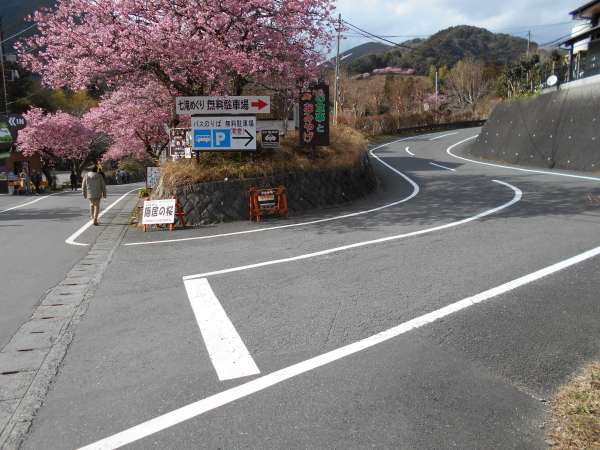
(71, 239)
(447, 168)
(444, 135)
(515, 168)
(515, 199)
(223, 398)
(409, 152)
(29, 203)
(227, 351)
(413, 184)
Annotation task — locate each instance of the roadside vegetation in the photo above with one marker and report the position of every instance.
(346, 147)
(575, 413)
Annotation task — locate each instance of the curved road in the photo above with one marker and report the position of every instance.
(442, 312)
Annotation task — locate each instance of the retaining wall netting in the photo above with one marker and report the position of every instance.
(227, 201)
(558, 130)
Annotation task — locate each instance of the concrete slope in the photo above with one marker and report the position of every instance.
(558, 130)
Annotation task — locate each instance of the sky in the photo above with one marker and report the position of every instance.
(401, 20)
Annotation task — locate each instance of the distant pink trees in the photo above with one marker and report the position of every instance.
(54, 137)
(196, 47)
(135, 118)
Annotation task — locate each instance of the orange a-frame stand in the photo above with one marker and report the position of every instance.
(259, 206)
(179, 213)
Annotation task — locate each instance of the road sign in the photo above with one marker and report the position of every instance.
(270, 138)
(314, 117)
(224, 133)
(9, 126)
(224, 105)
(178, 141)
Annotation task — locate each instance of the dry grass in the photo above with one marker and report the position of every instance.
(346, 146)
(575, 412)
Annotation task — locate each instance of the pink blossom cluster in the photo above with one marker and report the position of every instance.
(192, 47)
(395, 70)
(55, 136)
(135, 118)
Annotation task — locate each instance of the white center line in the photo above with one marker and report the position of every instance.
(29, 203)
(443, 135)
(409, 152)
(227, 351)
(437, 165)
(516, 198)
(223, 398)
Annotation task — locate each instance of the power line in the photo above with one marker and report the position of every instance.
(373, 36)
(20, 32)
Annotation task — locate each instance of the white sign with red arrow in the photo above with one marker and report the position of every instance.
(224, 105)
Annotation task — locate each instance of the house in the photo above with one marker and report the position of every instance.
(584, 44)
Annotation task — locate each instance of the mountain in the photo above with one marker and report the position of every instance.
(445, 48)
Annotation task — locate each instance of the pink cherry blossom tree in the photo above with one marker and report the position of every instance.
(56, 137)
(135, 118)
(192, 47)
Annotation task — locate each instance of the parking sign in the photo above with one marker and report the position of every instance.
(225, 133)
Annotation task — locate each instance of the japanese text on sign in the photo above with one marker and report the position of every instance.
(230, 105)
(152, 174)
(159, 211)
(314, 116)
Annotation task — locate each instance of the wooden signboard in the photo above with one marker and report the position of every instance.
(314, 117)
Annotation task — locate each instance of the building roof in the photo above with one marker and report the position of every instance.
(587, 10)
(581, 36)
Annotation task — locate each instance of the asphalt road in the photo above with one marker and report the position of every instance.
(354, 317)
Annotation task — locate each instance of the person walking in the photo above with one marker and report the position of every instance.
(36, 179)
(25, 182)
(94, 188)
(74, 180)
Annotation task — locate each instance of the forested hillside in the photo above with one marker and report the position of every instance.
(445, 48)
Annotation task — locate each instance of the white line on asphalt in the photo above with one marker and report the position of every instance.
(413, 184)
(71, 239)
(444, 135)
(515, 199)
(223, 398)
(227, 351)
(437, 165)
(29, 203)
(409, 152)
(515, 168)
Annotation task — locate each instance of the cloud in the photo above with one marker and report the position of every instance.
(421, 18)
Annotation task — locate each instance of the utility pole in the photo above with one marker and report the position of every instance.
(528, 42)
(436, 90)
(2, 53)
(337, 73)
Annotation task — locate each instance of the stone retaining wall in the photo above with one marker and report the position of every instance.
(227, 201)
(560, 130)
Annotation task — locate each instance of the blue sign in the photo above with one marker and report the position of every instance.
(222, 138)
(202, 139)
(224, 133)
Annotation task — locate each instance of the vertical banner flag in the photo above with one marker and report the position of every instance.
(314, 116)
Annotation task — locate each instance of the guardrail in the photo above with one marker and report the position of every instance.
(443, 126)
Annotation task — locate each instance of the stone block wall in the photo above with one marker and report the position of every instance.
(560, 129)
(227, 201)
